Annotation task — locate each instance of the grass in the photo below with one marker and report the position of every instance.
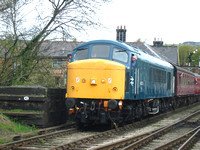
(9, 127)
(19, 110)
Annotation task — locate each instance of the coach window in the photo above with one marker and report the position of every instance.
(81, 53)
(101, 51)
(120, 55)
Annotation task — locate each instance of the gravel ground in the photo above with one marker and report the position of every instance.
(133, 132)
(153, 126)
(62, 140)
(173, 134)
(196, 146)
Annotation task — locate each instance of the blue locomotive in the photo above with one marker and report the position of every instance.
(112, 82)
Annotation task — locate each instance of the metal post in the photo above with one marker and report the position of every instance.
(189, 58)
(199, 61)
(190, 55)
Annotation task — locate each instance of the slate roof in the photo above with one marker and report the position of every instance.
(60, 49)
(169, 53)
(57, 49)
(143, 46)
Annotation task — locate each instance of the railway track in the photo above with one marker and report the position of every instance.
(36, 139)
(38, 132)
(173, 136)
(27, 138)
(66, 139)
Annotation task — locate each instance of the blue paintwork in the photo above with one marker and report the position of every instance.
(140, 86)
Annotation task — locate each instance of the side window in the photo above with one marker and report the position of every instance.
(81, 54)
(102, 51)
(120, 54)
(157, 75)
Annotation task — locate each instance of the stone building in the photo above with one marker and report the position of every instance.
(169, 53)
(57, 53)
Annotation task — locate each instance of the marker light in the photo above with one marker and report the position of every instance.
(120, 103)
(93, 82)
(103, 80)
(83, 80)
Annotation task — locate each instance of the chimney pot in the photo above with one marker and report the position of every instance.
(157, 42)
(121, 34)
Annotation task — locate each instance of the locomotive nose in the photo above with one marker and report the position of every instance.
(95, 79)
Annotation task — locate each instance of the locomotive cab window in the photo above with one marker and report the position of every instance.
(120, 55)
(101, 51)
(81, 54)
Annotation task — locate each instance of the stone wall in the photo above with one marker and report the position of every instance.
(39, 106)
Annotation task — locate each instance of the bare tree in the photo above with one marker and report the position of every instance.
(3, 5)
(10, 38)
(52, 19)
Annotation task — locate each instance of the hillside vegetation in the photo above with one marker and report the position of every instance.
(9, 127)
(184, 54)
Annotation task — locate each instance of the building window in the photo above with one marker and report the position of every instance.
(57, 64)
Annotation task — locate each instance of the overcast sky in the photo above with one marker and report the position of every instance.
(175, 21)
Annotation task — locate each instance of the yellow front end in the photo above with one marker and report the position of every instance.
(96, 79)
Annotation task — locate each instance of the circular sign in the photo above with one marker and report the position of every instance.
(26, 98)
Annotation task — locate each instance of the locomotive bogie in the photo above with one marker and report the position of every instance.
(96, 111)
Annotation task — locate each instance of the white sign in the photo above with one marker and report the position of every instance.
(109, 80)
(131, 81)
(77, 80)
(26, 98)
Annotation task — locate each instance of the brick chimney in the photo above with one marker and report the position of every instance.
(121, 34)
(157, 43)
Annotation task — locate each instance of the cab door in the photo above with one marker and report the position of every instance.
(133, 77)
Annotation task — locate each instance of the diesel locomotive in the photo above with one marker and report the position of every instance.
(113, 82)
